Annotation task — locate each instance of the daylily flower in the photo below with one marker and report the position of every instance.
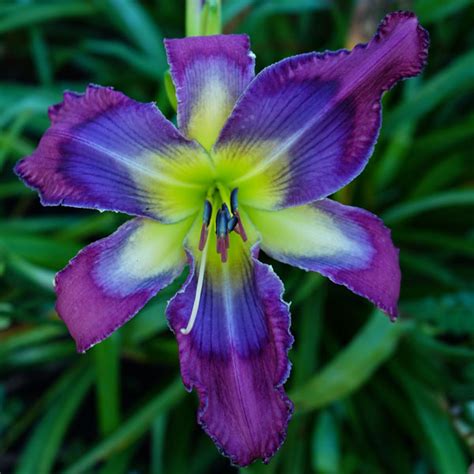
(249, 167)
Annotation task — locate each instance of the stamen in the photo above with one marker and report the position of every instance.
(197, 297)
(228, 217)
(240, 227)
(234, 200)
(203, 237)
(206, 219)
(222, 249)
(221, 223)
(234, 204)
(231, 223)
(225, 209)
(222, 234)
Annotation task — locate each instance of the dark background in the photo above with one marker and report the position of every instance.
(371, 397)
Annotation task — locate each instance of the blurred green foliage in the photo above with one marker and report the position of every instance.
(371, 396)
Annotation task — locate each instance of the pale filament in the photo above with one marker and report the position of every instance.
(197, 297)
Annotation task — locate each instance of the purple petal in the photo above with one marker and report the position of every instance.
(106, 151)
(349, 245)
(236, 356)
(209, 74)
(307, 125)
(109, 281)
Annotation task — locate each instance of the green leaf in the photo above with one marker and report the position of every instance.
(456, 78)
(39, 250)
(43, 445)
(427, 266)
(441, 175)
(446, 452)
(107, 367)
(391, 162)
(31, 225)
(427, 344)
(40, 354)
(132, 18)
(49, 397)
(445, 137)
(10, 137)
(130, 430)
(311, 316)
(158, 436)
(128, 55)
(39, 276)
(32, 14)
(233, 8)
(41, 56)
(272, 7)
(18, 100)
(353, 366)
(81, 228)
(14, 189)
(406, 210)
(148, 323)
(443, 242)
(450, 312)
(430, 11)
(311, 283)
(325, 455)
(25, 338)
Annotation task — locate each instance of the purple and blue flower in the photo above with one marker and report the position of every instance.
(249, 167)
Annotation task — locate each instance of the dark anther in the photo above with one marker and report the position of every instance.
(225, 209)
(206, 219)
(231, 223)
(233, 200)
(238, 226)
(222, 240)
(221, 223)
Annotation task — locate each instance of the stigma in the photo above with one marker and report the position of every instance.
(226, 221)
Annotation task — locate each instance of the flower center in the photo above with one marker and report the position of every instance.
(225, 222)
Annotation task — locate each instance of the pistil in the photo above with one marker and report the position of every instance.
(197, 297)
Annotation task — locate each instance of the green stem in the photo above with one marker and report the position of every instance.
(107, 366)
(211, 18)
(193, 23)
(203, 17)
